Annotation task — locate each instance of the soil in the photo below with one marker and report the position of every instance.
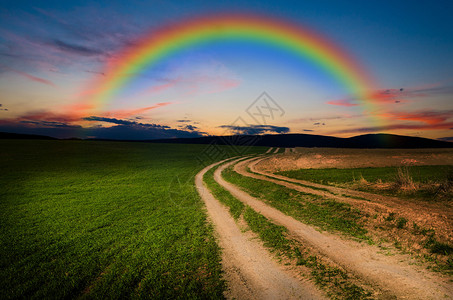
(320, 158)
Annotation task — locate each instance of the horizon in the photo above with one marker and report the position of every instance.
(68, 71)
(225, 136)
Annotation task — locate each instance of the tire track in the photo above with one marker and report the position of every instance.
(426, 214)
(250, 270)
(388, 274)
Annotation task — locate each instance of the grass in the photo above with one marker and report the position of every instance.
(104, 220)
(288, 181)
(424, 182)
(422, 174)
(275, 237)
(235, 206)
(334, 277)
(311, 209)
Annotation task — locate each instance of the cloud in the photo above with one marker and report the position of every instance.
(446, 139)
(161, 87)
(118, 132)
(132, 112)
(94, 72)
(122, 122)
(255, 129)
(29, 76)
(190, 127)
(61, 126)
(426, 119)
(343, 102)
(318, 119)
(426, 116)
(194, 84)
(44, 116)
(396, 127)
(64, 38)
(319, 124)
(378, 97)
(183, 121)
(143, 130)
(400, 95)
(50, 124)
(76, 49)
(307, 130)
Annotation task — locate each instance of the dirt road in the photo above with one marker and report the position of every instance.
(391, 276)
(269, 150)
(426, 214)
(250, 270)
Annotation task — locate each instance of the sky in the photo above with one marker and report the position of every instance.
(54, 54)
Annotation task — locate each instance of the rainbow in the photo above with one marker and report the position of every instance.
(158, 45)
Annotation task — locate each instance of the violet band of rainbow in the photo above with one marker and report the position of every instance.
(304, 42)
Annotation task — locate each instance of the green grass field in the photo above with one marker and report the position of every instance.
(104, 219)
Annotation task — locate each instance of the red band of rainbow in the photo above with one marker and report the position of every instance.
(158, 45)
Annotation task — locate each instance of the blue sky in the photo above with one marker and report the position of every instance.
(51, 50)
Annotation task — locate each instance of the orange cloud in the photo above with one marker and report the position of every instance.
(447, 125)
(133, 112)
(344, 102)
(428, 117)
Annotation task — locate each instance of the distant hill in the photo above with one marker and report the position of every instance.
(20, 136)
(380, 140)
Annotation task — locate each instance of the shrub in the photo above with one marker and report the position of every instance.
(401, 223)
(404, 181)
(446, 186)
(390, 217)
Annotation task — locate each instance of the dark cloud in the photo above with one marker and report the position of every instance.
(122, 130)
(307, 130)
(183, 121)
(118, 132)
(126, 132)
(190, 127)
(256, 129)
(10, 55)
(446, 139)
(123, 122)
(319, 124)
(51, 124)
(94, 72)
(76, 49)
(127, 129)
